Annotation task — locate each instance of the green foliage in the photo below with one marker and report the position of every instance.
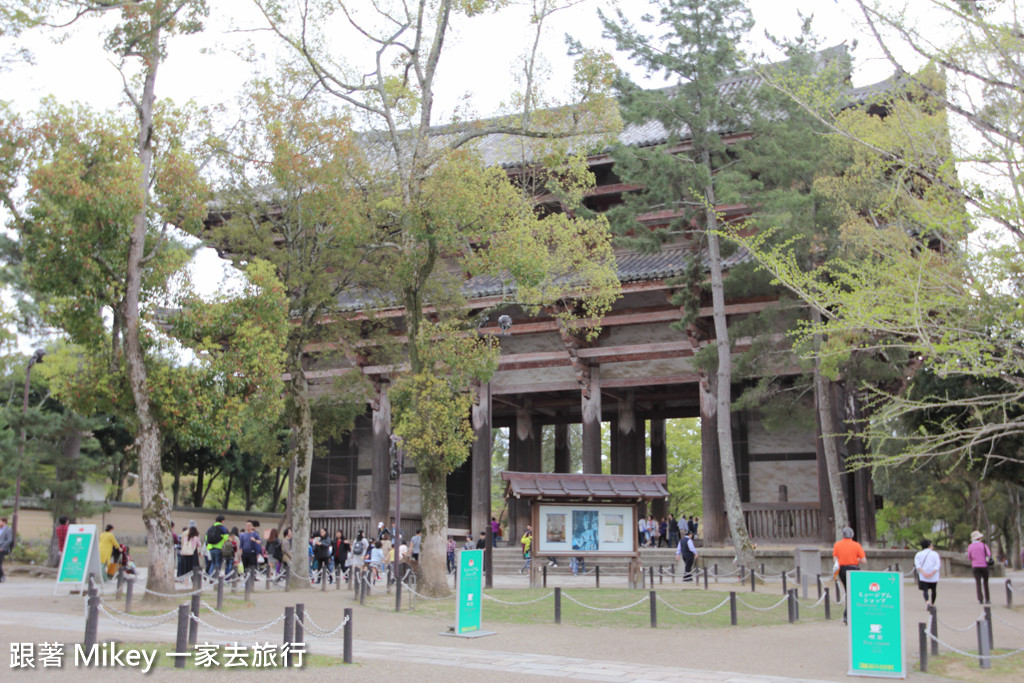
(685, 473)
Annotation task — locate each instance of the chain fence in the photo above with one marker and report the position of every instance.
(693, 614)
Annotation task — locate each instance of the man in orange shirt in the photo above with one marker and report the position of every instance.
(848, 555)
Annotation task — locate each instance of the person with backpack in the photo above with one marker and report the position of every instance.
(322, 553)
(252, 547)
(928, 563)
(356, 558)
(216, 536)
(339, 551)
(275, 553)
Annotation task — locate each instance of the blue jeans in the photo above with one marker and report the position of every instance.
(216, 557)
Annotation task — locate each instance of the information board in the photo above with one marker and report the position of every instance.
(80, 558)
(877, 645)
(469, 591)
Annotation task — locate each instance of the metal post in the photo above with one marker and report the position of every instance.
(93, 614)
(193, 625)
(597, 577)
(818, 578)
(267, 586)
(220, 591)
(654, 609)
(716, 572)
(364, 581)
(347, 635)
(120, 581)
(339, 572)
(652, 576)
(300, 623)
(935, 630)
(753, 581)
(661, 575)
(197, 580)
(181, 641)
(129, 589)
(828, 606)
(785, 590)
(287, 577)
(790, 602)
(798, 582)
(984, 648)
(762, 569)
(922, 645)
(796, 603)
(705, 578)
(1009, 594)
(289, 633)
(544, 576)
(732, 607)
(558, 605)
(248, 584)
(323, 577)
(743, 573)
(988, 620)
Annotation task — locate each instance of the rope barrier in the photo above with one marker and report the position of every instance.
(528, 602)
(425, 597)
(961, 630)
(1003, 621)
(225, 616)
(604, 609)
(972, 655)
(324, 633)
(137, 616)
(693, 614)
(166, 618)
(237, 633)
(760, 609)
(813, 604)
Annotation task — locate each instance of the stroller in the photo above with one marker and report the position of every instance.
(120, 557)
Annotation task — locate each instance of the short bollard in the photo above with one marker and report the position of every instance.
(988, 621)
(898, 567)
(323, 579)
(661, 575)
(652, 576)
(743, 573)
(762, 569)
(935, 629)
(93, 614)
(785, 590)
(716, 572)
(705, 578)
(732, 607)
(828, 606)
(363, 584)
(798, 577)
(193, 625)
(120, 581)
(1009, 594)
(544, 576)
(300, 623)
(287, 578)
(818, 580)
(289, 634)
(791, 606)
(922, 644)
(347, 635)
(338, 573)
(984, 646)
(220, 590)
(558, 605)
(267, 584)
(128, 590)
(654, 609)
(753, 581)
(197, 578)
(597, 577)
(248, 585)
(181, 641)
(796, 603)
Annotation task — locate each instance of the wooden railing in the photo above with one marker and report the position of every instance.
(782, 521)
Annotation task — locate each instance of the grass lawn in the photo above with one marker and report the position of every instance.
(963, 668)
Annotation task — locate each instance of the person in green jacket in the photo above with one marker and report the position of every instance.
(216, 536)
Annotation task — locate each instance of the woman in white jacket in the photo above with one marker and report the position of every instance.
(928, 564)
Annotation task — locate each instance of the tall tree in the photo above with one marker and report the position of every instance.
(438, 204)
(692, 173)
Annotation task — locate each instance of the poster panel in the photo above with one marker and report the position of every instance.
(80, 558)
(581, 529)
(469, 591)
(877, 643)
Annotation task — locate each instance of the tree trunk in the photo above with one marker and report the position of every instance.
(197, 490)
(303, 460)
(434, 508)
(279, 482)
(823, 401)
(176, 486)
(64, 500)
(723, 390)
(156, 509)
(227, 491)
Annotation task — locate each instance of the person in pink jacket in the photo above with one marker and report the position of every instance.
(980, 555)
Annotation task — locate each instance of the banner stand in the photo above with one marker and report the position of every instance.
(79, 559)
(877, 642)
(469, 596)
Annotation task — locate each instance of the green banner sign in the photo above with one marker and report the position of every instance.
(81, 556)
(876, 624)
(469, 600)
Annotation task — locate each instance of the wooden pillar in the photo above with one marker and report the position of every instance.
(713, 524)
(864, 491)
(563, 460)
(629, 436)
(615, 451)
(659, 462)
(524, 441)
(591, 397)
(380, 486)
(826, 511)
(480, 465)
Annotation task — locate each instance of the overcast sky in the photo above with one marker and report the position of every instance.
(476, 62)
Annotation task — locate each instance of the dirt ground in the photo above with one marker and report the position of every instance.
(29, 612)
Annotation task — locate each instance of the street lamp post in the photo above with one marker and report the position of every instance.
(397, 465)
(37, 357)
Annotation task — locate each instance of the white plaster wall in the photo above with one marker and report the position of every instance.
(760, 440)
(799, 476)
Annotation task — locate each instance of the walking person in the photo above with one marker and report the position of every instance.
(216, 537)
(322, 554)
(251, 546)
(981, 559)
(527, 542)
(275, 553)
(687, 552)
(928, 563)
(673, 531)
(848, 553)
(449, 553)
(108, 544)
(191, 546)
(415, 544)
(6, 543)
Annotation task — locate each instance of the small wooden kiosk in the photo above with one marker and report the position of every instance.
(585, 515)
